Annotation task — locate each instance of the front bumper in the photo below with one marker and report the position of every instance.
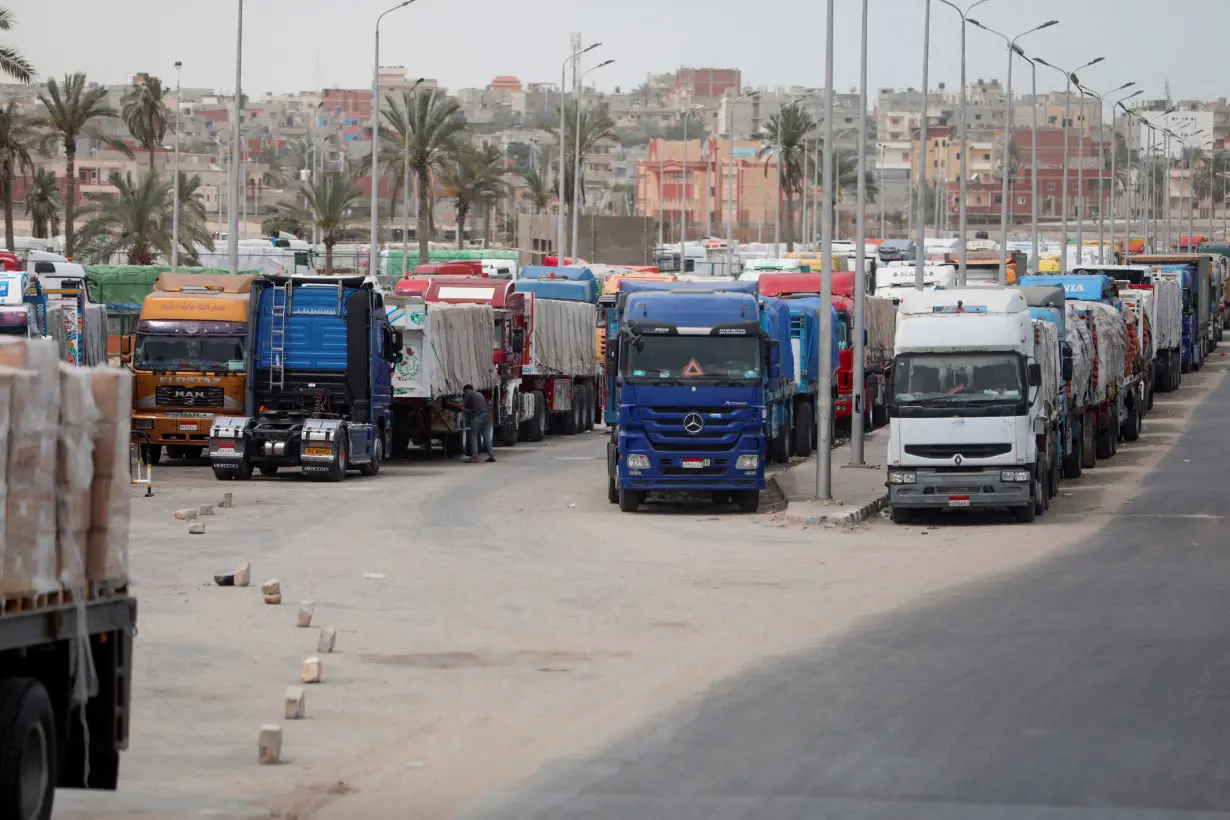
(713, 471)
(973, 488)
(187, 429)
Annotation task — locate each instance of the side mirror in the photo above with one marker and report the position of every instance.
(398, 357)
(126, 346)
(775, 359)
(518, 340)
(1035, 374)
(1067, 365)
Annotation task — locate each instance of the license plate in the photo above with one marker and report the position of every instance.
(694, 463)
(188, 428)
(225, 451)
(958, 501)
(318, 451)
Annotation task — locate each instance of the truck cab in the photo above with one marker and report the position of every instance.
(896, 279)
(17, 309)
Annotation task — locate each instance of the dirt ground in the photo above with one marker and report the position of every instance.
(495, 617)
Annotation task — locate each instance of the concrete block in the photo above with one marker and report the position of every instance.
(271, 587)
(276, 598)
(306, 608)
(186, 515)
(226, 501)
(196, 528)
(296, 703)
(243, 575)
(311, 670)
(269, 744)
(205, 509)
(326, 640)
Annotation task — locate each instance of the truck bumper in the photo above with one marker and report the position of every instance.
(715, 472)
(981, 488)
(175, 430)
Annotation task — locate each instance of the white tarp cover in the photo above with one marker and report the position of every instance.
(880, 315)
(1143, 304)
(445, 347)
(562, 340)
(1168, 329)
(1080, 341)
(1110, 336)
(1046, 354)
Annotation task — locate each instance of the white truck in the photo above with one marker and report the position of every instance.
(966, 404)
(17, 316)
(898, 278)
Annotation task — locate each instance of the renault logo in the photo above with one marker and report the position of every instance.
(693, 423)
(958, 460)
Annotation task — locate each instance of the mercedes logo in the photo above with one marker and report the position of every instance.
(693, 423)
(958, 460)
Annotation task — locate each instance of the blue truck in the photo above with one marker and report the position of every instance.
(1061, 440)
(1194, 272)
(805, 347)
(318, 392)
(701, 385)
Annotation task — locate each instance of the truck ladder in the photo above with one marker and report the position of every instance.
(279, 309)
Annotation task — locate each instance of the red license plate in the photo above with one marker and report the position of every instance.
(694, 463)
(958, 500)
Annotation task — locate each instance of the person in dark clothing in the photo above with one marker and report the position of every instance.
(479, 415)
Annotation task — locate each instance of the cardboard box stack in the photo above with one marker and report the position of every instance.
(64, 463)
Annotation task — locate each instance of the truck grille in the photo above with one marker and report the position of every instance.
(177, 395)
(717, 466)
(721, 429)
(947, 451)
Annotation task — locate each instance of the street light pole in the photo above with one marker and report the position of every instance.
(1102, 166)
(683, 192)
(175, 214)
(730, 189)
(920, 255)
(1114, 178)
(232, 239)
(374, 253)
(560, 238)
(577, 198)
(405, 182)
(860, 241)
(824, 393)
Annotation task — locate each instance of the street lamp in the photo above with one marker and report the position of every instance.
(1004, 204)
(1069, 77)
(312, 165)
(1191, 191)
(175, 212)
(232, 239)
(1102, 164)
(560, 238)
(860, 240)
(730, 187)
(374, 253)
(920, 257)
(1114, 180)
(405, 182)
(964, 222)
(577, 199)
(683, 191)
(824, 392)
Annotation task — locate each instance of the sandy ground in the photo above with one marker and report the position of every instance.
(492, 618)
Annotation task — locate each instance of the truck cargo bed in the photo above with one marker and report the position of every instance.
(30, 621)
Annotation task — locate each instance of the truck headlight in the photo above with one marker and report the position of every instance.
(902, 477)
(143, 424)
(636, 461)
(1015, 475)
(747, 462)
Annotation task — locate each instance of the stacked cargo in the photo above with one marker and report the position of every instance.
(1080, 342)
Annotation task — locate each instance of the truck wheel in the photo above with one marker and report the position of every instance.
(591, 413)
(507, 435)
(779, 445)
(1075, 453)
(27, 750)
(901, 515)
(401, 443)
(244, 471)
(748, 500)
(879, 414)
(720, 498)
(1108, 432)
(268, 469)
(151, 454)
(338, 473)
(612, 491)
(802, 430)
(1025, 514)
(1053, 469)
(538, 425)
(373, 467)
(572, 418)
(629, 500)
(223, 473)
(1132, 424)
(1040, 491)
(1089, 437)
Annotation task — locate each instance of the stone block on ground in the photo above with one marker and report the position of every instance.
(326, 640)
(306, 608)
(226, 501)
(196, 528)
(271, 587)
(311, 670)
(269, 744)
(273, 599)
(243, 575)
(296, 703)
(205, 509)
(186, 515)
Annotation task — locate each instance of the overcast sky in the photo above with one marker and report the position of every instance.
(293, 45)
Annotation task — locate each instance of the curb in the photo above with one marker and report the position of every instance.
(864, 512)
(844, 516)
(772, 499)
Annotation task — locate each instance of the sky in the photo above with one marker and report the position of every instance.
(298, 45)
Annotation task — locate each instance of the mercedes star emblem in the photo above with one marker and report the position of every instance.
(693, 423)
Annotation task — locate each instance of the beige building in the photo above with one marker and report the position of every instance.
(944, 156)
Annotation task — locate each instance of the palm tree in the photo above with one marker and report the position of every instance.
(12, 62)
(472, 178)
(138, 221)
(1211, 176)
(596, 127)
(786, 134)
(330, 200)
(540, 190)
(73, 111)
(43, 204)
(19, 137)
(145, 113)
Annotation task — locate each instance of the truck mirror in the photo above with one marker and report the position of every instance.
(126, 346)
(1067, 365)
(518, 340)
(399, 342)
(1035, 374)
(775, 359)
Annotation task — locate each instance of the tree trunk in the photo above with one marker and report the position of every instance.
(151, 161)
(70, 194)
(329, 256)
(486, 224)
(424, 213)
(393, 204)
(461, 227)
(6, 181)
(789, 219)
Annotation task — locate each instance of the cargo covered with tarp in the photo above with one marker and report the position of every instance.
(444, 347)
(562, 339)
(880, 316)
(124, 287)
(1168, 328)
(1111, 347)
(1046, 354)
(394, 265)
(1080, 342)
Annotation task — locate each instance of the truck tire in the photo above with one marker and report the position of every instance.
(401, 443)
(802, 430)
(1107, 434)
(1025, 514)
(591, 412)
(538, 424)
(572, 418)
(268, 469)
(630, 500)
(1053, 469)
(779, 445)
(27, 750)
(1132, 424)
(151, 454)
(1073, 457)
(506, 435)
(1040, 490)
(338, 473)
(372, 468)
(901, 515)
(879, 414)
(612, 491)
(1089, 440)
(748, 500)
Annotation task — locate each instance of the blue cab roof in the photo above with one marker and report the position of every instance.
(564, 290)
(1087, 288)
(637, 286)
(703, 310)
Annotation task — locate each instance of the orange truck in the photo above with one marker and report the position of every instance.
(188, 359)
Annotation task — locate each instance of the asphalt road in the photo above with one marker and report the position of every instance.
(1093, 685)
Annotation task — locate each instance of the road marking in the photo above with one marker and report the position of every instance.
(576, 458)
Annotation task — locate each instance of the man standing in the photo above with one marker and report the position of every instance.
(479, 414)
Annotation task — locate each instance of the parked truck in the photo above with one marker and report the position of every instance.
(967, 400)
(699, 391)
(444, 348)
(318, 394)
(1194, 273)
(1061, 438)
(189, 361)
(18, 296)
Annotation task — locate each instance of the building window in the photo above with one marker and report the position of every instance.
(1050, 186)
(1020, 200)
(986, 157)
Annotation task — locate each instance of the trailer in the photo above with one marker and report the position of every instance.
(560, 361)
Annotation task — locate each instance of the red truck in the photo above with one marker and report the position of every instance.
(879, 315)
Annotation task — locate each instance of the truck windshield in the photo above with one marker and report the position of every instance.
(694, 358)
(932, 379)
(13, 330)
(843, 328)
(202, 354)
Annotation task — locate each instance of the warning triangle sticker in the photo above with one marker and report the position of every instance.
(693, 369)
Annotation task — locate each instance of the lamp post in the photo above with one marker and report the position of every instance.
(1101, 163)
(374, 253)
(1213, 202)
(405, 182)
(577, 198)
(1191, 192)
(1114, 179)
(920, 256)
(1004, 204)
(1069, 77)
(730, 187)
(312, 163)
(175, 206)
(683, 191)
(860, 239)
(1034, 257)
(961, 136)
(824, 393)
(232, 238)
(560, 238)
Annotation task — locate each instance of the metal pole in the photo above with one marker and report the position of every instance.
(1080, 188)
(777, 214)
(232, 239)
(1033, 171)
(860, 240)
(175, 213)
(577, 198)
(815, 192)
(964, 219)
(1067, 96)
(374, 253)
(683, 192)
(405, 189)
(1166, 193)
(1004, 204)
(730, 193)
(806, 176)
(824, 394)
(560, 239)
(1101, 179)
(883, 209)
(661, 213)
(920, 254)
(708, 205)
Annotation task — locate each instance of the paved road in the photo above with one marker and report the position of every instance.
(1095, 685)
